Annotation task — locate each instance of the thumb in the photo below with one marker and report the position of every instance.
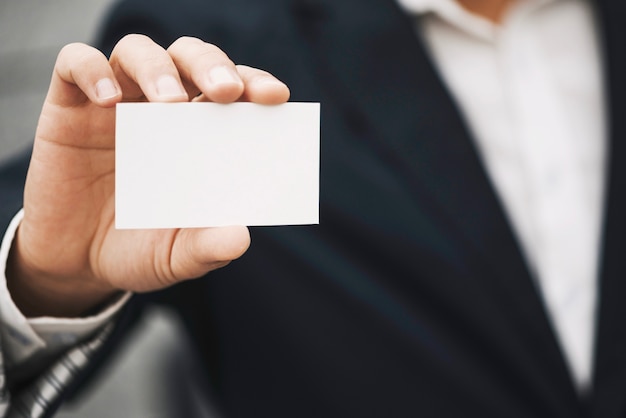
(198, 251)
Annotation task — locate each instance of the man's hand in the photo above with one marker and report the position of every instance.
(68, 257)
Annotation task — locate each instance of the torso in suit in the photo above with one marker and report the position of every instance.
(411, 298)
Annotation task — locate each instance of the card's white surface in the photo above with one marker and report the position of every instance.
(184, 165)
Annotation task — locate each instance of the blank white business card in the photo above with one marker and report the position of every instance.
(182, 165)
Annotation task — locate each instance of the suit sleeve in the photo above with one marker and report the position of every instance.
(34, 372)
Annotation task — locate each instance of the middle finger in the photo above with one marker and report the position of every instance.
(145, 69)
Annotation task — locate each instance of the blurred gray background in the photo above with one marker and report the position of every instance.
(32, 33)
(156, 358)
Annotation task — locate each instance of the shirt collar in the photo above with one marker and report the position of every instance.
(444, 7)
(455, 14)
(425, 6)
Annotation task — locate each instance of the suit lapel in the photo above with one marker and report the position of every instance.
(369, 54)
(610, 365)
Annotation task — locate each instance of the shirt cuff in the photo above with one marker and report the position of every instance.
(22, 337)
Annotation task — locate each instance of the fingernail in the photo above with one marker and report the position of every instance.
(224, 75)
(105, 89)
(168, 86)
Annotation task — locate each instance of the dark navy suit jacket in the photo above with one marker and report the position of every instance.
(411, 298)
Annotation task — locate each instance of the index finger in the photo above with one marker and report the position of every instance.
(81, 74)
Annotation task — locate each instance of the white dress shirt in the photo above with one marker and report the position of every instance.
(530, 90)
(24, 340)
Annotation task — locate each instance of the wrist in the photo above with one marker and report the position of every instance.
(38, 293)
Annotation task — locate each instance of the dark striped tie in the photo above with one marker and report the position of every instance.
(37, 400)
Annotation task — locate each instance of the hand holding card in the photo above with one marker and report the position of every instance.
(68, 256)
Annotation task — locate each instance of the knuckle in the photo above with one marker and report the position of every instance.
(134, 38)
(138, 55)
(185, 40)
(78, 56)
(130, 42)
(70, 50)
(67, 49)
(187, 46)
(214, 57)
(156, 64)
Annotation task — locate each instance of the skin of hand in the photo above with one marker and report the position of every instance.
(67, 257)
